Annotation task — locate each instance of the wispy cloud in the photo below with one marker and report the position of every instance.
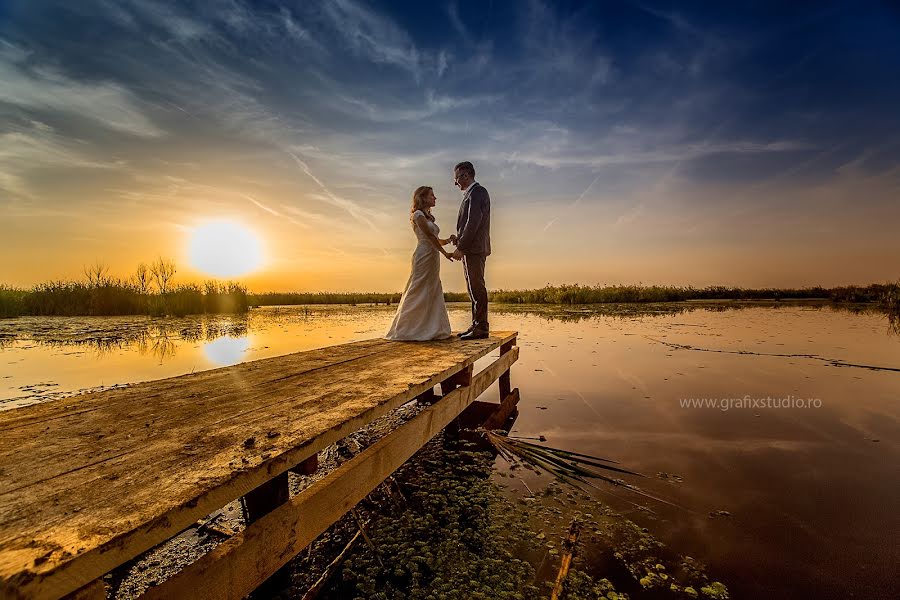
(376, 38)
(586, 190)
(457, 23)
(630, 215)
(572, 157)
(26, 150)
(353, 209)
(259, 204)
(43, 87)
(432, 104)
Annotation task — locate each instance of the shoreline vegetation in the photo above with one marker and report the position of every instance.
(150, 291)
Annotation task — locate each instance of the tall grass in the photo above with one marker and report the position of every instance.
(142, 294)
(102, 295)
(12, 301)
(579, 294)
(890, 302)
(352, 298)
(294, 298)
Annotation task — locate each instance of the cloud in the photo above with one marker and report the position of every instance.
(374, 37)
(443, 60)
(23, 151)
(584, 193)
(271, 211)
(43, 88)
(457, 23)
(433, 104)
(630, 216)
(575, 157)
(353, 209)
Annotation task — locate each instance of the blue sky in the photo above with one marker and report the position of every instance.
(686, 143)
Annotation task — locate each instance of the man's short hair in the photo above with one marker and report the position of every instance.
(467, 167)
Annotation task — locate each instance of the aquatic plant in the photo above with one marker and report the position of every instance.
(570, 467)
(452, 539)
(455, 533)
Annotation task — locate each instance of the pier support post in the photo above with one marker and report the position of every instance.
(261, 502)
(487, 415)
(427, 397)
(267, 497)
(504, 382)
(462, 378)
(308, 466)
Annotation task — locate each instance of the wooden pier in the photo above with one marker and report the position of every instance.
(90, 482)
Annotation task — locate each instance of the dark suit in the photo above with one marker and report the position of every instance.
(473, 228)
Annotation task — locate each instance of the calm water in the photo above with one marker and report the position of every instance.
(809, 479)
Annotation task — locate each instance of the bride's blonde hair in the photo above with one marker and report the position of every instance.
(418, 202)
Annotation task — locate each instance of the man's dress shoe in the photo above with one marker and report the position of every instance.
(474, 335)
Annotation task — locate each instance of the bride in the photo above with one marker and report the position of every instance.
(422, 314)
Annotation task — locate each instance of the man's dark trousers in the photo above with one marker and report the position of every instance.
(473, 265)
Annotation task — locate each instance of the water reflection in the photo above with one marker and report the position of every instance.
(108, 334)
(808, 491)
(103, 336)
(226, 350)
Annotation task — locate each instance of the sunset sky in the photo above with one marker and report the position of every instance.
(621, 142)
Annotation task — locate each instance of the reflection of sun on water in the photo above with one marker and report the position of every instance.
(226, 350)
(225, 249)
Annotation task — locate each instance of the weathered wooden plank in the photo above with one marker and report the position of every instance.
(67, 423)
(193, 384)
(95, 590)
(82, 507)
(238, 565)
(48, 468)
(325, 391)
(155, 412)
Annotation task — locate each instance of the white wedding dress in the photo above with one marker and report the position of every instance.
(422, 314)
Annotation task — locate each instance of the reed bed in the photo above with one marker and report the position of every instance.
(143, 294)
(296, 298)
(102, 295)
(581, 294)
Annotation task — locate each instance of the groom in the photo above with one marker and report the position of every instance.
(473, 244)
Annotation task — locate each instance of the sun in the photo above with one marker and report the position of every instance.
(225, 249)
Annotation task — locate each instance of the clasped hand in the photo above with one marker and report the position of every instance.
(456, 254)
